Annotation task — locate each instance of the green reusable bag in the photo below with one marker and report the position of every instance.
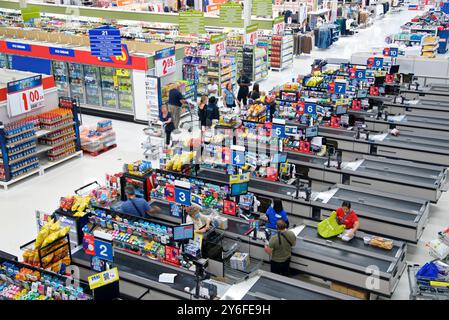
(329, 227)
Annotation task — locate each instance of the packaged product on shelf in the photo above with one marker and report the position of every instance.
(98, 139)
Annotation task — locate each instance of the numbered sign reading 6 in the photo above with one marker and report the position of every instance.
(25, 95)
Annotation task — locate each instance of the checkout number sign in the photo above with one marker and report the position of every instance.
(340, 87)
(182, 196)
(165, 62)
(25, 95)
(103, 250)
(310, 108)
(278, 131)
(360, 74)
(238, 158)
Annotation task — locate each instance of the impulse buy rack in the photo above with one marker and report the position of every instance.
(35, 141)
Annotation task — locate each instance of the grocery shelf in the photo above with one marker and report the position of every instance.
(43, 132)
(19, 134)
(46, 164)
(6, 184)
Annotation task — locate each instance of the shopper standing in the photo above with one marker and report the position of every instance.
(212, 89)
(244, 84)
(228, 95)
(137, 206)
(280, 248)
(175, 102)
(212, 112)
(255, 93)
(202, 111)
(167, 120)
(274, 213)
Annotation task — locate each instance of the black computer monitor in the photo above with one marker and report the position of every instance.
(183, 232)
(379, 81)
(311, 132)
(394, 69)
(341, 110)
(238, 189)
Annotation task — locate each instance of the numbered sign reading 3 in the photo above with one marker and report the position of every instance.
(182, 196)
(25, 95)
(103, 250)
(165, 62)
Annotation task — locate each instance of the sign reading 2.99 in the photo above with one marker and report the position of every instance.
(165, 62)
(25, 95)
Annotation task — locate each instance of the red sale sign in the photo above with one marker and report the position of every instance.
(165, 62)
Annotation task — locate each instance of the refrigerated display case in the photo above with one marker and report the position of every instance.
(60, 73)
(3, 60)
(109, 93)
(125, 92)
(76, 82)
(92, 84)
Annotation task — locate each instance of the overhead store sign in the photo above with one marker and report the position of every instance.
(279, 25)
(218, 45)
(123, 58)
(231, 14)
(191, 22)
(262, 8)
(103, 278)
(30, 12)
(105, 42)
(25, 95)
(61, 52)
(251, 34)
(165, 62)
(18, 46)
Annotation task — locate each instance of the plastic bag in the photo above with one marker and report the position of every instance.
(429, 270)
(329, 227)
(438, 249)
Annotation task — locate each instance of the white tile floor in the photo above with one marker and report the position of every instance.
(17, 206)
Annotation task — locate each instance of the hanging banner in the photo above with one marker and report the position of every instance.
(191, 22)
(251, 34)
(25, 95)
(165, 62)
(279, 26)
(218, 45)
(262, 8)
(231, 15)
(30, 12)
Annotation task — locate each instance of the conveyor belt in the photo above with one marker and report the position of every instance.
(411, 141)
(237, 227)
(407, 174)
(309, 232)
(144, 269)
(376, 204)
(278, 290)
(296, 156)
(409, 118)
(336, 253)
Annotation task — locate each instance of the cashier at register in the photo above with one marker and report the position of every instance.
(275, 211)
(137, 206)
(200, 222)
(348, 217)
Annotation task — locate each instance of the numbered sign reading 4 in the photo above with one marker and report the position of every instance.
(25, 95)
(165, 62)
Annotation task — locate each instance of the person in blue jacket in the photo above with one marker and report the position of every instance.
(274, 213)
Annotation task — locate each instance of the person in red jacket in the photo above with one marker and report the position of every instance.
(349, 219)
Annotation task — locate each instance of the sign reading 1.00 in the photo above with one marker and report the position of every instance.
(25, 95)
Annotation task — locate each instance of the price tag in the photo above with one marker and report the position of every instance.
(182, 196)
(310, 108)
(218, 45)
(165, 62)
(103, 249)
(25, 95)
(278, 131)
(100, 279)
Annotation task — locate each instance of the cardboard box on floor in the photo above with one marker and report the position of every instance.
(350, 291)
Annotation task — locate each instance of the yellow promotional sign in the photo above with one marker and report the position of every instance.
(122, 72)
(239, 178)
(103, 278)
(115, 81)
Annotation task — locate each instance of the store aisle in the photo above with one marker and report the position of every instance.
(372, 36)
(17, 206)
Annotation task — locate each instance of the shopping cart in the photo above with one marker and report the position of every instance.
(189, 119)
(425, 288)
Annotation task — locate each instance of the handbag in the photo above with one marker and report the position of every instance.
(330, 227)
